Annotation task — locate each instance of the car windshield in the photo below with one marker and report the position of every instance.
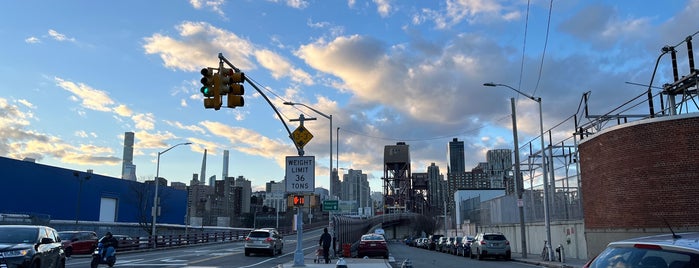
(372, 238)
(494, 237)
(641, 257)
(65, 236)
(18, 235)
(259, 234)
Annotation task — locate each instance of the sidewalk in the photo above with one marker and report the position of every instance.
(570, 263)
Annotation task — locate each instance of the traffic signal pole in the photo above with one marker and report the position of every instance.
(224, 60)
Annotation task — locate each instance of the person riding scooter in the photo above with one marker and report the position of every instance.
(105, 253)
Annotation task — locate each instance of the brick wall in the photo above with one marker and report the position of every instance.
(637, 174)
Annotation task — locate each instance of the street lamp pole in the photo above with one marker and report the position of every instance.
(154, 211)
(547, 219)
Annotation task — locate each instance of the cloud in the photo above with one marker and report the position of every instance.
(192, 128)
(298, 4)
(472, 11)
(199, 46)
(90, 98)
(152, 139)
(123, 110)
(280, 67)
(251, 142)
(144, 121)
(32, 40)
(59, 36)
(383, 7)
(214, 5)
(601, 26)
(17, 141)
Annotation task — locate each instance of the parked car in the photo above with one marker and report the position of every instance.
(267, 240)
(441, 243)
(372, 245)
(126, 242)
(78, 242)
(425, 243)
(30, 246)
(433, 240)
(464, 246)
(490, 245)
(668, 250)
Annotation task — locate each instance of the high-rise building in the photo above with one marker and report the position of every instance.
(455, 171)
(456, 156)
(225, 164)
(128, 169)
(246, 193)
(202, 175)
(356, 188)
(436, 191)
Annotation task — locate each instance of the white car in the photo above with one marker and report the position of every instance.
(266, 240)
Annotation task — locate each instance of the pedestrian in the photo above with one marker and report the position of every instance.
(325, 241)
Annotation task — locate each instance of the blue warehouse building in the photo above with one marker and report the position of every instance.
(64, 194)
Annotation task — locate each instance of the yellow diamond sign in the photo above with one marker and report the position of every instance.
(301, 136)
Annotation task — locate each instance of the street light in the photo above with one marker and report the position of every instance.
(154, 211)
(547, 219)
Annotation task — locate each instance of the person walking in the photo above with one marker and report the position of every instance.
(325, 241)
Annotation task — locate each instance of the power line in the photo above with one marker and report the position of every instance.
(546, 41)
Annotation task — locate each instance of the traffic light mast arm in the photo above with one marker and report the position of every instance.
(223, 59)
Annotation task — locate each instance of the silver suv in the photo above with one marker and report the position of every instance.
(266, 240)
(490, 244)
(667, 251)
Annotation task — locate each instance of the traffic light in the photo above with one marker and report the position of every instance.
(232, 86)
(211, 88)
(298, 200)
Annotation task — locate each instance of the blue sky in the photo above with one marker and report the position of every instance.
(76, 75)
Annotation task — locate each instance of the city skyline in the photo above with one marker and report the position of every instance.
(387, 71)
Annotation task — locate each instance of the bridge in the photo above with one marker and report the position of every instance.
(395, 225)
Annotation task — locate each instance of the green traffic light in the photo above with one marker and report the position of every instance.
(207, 91)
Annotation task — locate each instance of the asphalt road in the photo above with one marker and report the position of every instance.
(231, 254)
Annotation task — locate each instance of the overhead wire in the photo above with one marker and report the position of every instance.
(543, 53)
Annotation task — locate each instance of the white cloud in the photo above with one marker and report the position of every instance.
(383, 7)
(144, 121)
(199, 46)
(90, 98)
(32, 40)
(214, 5)
(59, 36)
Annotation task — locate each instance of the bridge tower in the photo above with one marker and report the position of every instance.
(397, 187)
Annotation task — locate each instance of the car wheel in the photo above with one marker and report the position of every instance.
(470, 254)
(508, 256)
(62, 263)
(480, 256)
(69, 252)
(385, 256)
(247, 253)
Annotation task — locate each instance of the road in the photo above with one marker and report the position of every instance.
(231, 254)
(429, 258)
(228, 254)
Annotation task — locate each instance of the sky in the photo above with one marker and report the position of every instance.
(76, 75)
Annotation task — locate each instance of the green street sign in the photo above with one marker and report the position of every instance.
(331, 205)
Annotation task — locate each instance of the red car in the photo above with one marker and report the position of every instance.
(372, 245)
(78, 242)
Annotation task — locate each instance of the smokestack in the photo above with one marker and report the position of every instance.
(202, 176)
(225, 164)
(128, 169)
